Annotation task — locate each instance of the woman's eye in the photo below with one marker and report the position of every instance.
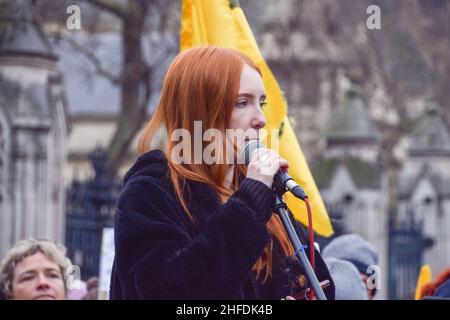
(27, 278)
(241, 103)
(263, 104)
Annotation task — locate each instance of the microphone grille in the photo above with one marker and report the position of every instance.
(249, 148)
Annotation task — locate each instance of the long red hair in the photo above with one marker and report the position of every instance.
(202, 84)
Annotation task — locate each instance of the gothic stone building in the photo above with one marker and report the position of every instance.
(33, 133)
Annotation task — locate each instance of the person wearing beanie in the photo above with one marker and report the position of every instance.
(353, 248)
(347, 280)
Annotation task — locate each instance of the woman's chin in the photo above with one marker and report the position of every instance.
(44, 297)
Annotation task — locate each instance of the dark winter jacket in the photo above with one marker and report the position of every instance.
(162, 254)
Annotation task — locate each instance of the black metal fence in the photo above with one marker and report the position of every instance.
(90, 208)
(406, 246)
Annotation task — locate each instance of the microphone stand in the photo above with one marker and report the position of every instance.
(280, 207)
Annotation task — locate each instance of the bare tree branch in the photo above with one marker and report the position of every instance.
(135, 74)
(110, 6)
(99, 68)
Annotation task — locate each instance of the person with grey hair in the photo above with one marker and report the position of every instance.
(353, 248)
(35, 270)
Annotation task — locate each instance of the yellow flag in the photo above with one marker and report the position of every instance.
(223, 23)
(423, 278)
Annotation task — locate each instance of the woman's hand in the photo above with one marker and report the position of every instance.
(264, 164)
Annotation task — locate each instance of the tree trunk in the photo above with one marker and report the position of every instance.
(134, 89)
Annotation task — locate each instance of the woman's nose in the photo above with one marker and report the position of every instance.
(259, 121)
(43, 282)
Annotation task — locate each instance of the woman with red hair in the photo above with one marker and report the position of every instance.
(191, 228)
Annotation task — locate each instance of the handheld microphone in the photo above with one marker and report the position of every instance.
(282, 178)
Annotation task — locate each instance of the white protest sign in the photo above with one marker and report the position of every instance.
(106, 262)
